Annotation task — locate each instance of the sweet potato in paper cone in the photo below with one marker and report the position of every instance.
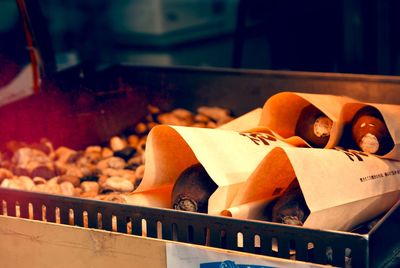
(341, 189)
(390, 115)
(229, 157)
(282, 111)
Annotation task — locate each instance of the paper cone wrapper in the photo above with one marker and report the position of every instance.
(168, 154)
(281, 113)
(342, 189)
(391, 116)
(229, 157)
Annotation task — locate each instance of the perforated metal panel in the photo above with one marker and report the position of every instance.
(289, 242)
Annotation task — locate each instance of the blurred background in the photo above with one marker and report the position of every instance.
(346, 36)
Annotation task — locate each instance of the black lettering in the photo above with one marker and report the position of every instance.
(351, 154)
(252, 138)
(259, 138)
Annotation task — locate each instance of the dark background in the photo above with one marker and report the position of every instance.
(344, 36)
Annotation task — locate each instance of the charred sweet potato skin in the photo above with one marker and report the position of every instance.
(192, 190)
(291, 208)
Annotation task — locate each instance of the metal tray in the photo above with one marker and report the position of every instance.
(80, 97)
(378, 248)
(110, 99)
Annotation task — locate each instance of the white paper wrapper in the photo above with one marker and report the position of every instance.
(341, 189)
(229, 157)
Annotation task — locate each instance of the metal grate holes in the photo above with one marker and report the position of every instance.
(58, 216)
(257, 241)
(99, 220)
(113, 223)
(17, 210)
(128, 225)
(4, 208)
(274, 245)
(85, 219)
(30, 211)
(144, 227)
(159, 230)
(71, 217)
(223, 239)
(310, 251)
(207, 235)
(190, 233)
(44, 213)
(329, 255)
(292, 249)
(239, 237)
(347, 257)
(257, 244)
(174, 232)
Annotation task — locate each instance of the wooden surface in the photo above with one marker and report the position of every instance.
(26, 243)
